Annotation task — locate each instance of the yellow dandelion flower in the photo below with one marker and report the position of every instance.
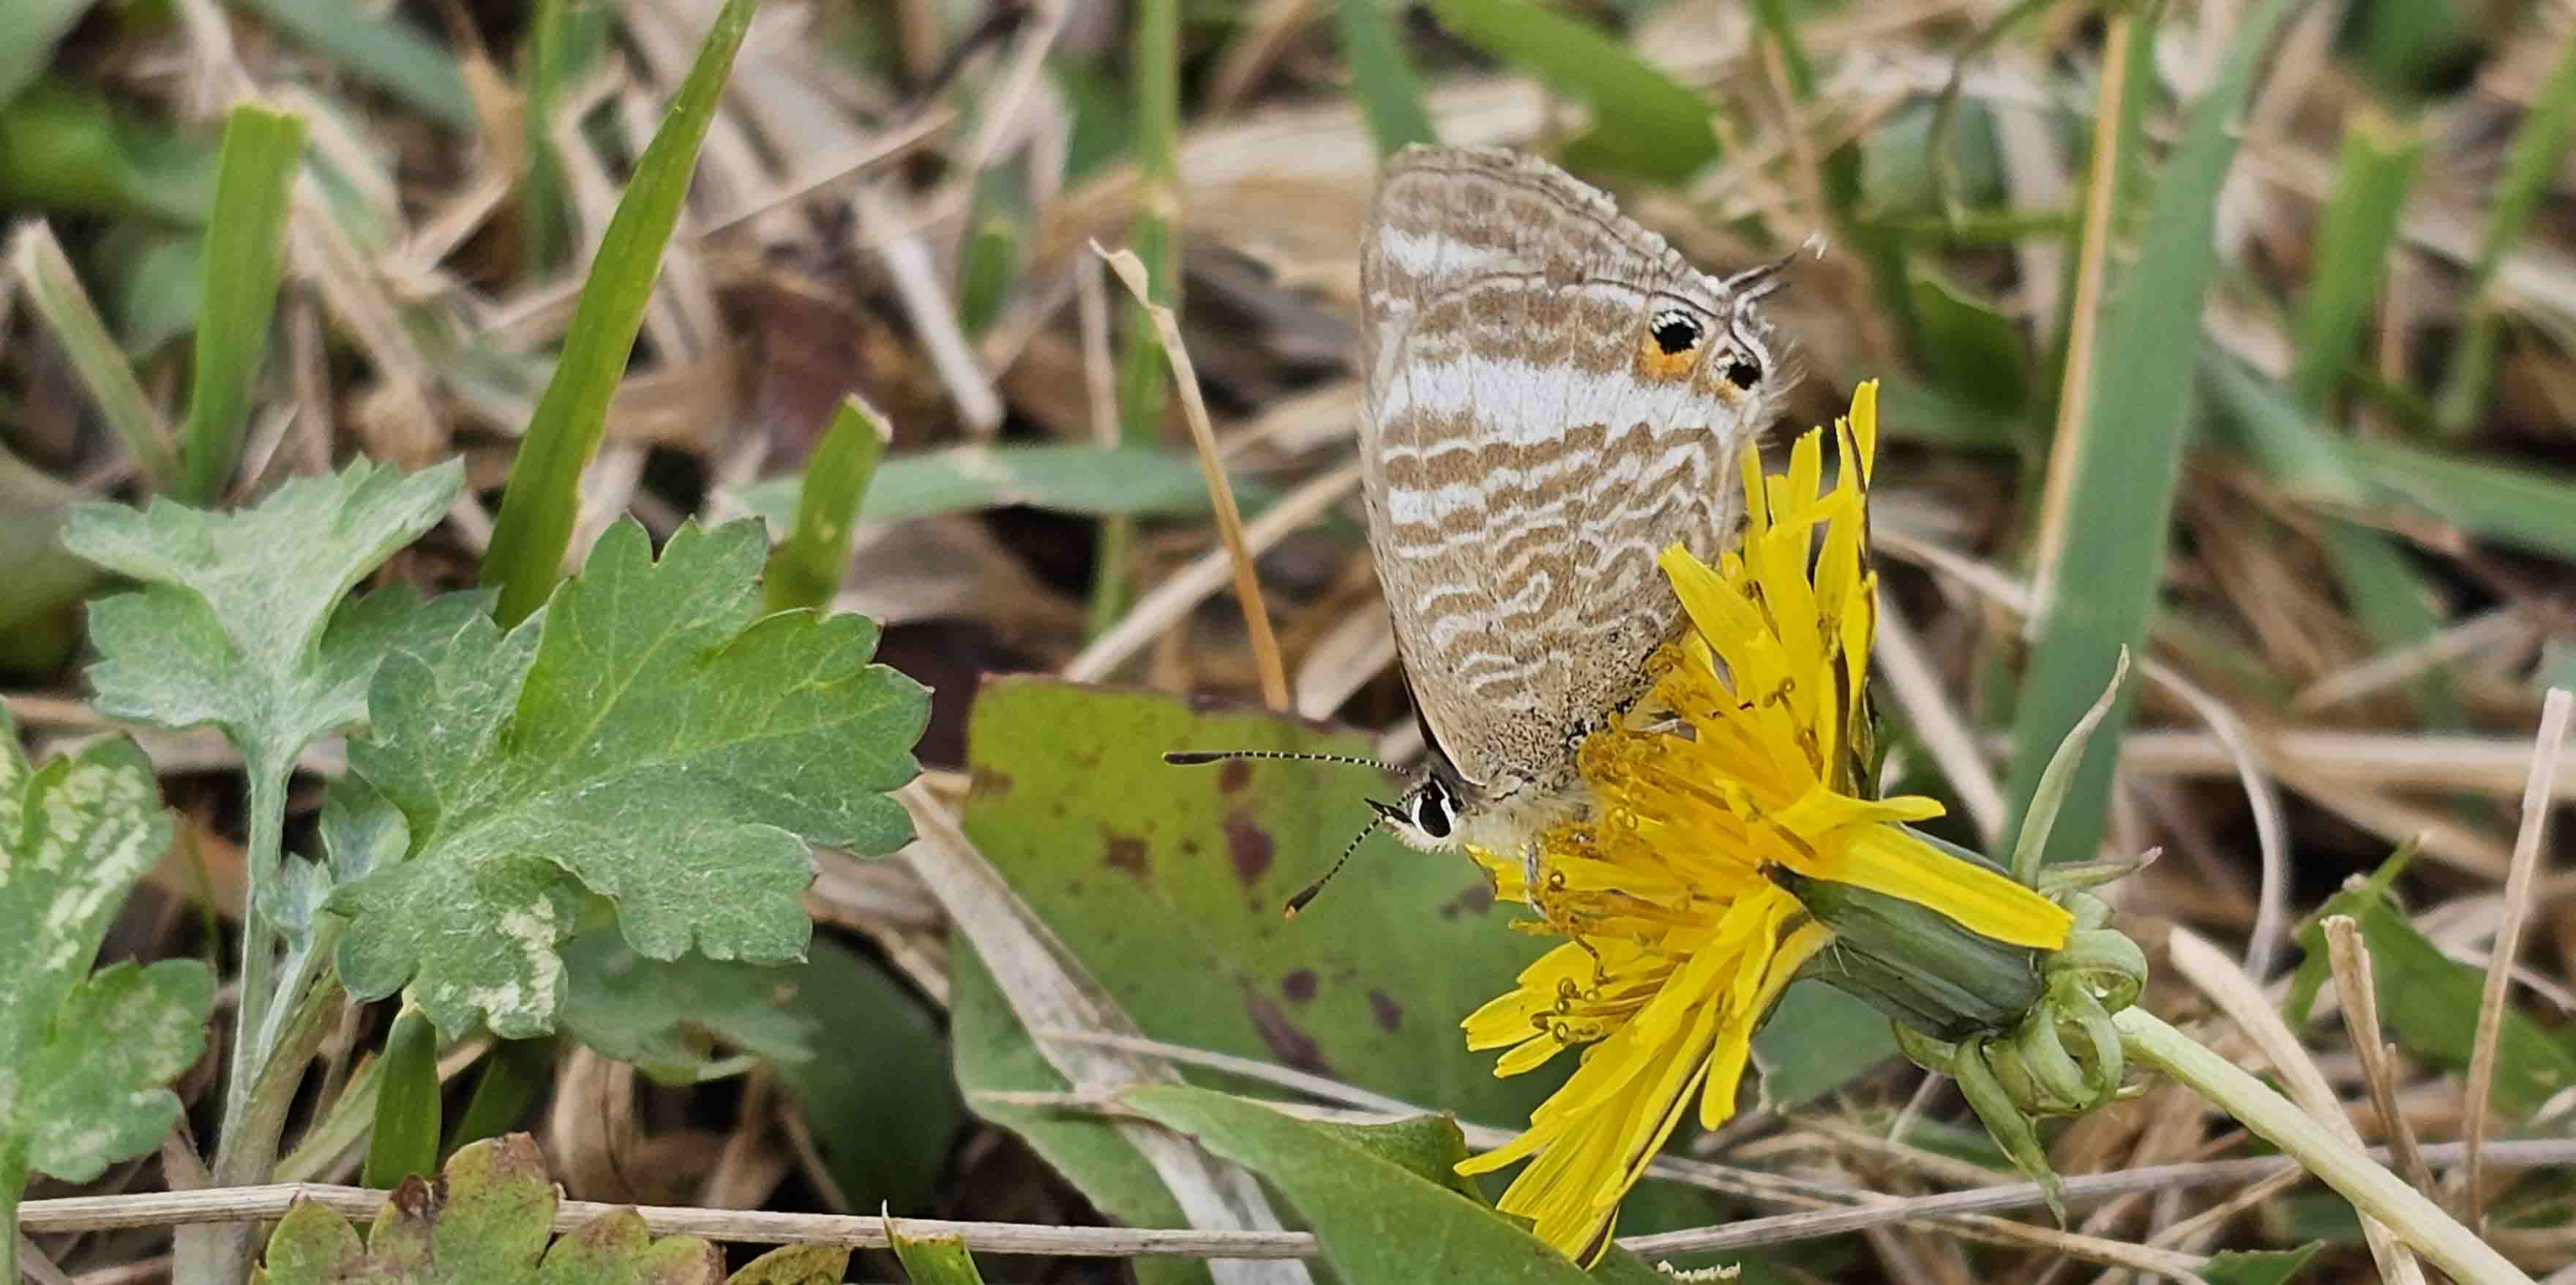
(1679, 941)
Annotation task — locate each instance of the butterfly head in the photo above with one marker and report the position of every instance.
(1426, 817)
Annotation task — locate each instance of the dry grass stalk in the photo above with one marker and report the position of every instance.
(1229, 517)
(2075, 388)
(2536, 806)
(2358, 988)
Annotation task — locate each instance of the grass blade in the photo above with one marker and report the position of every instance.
(1390, 94)
(537, 512)
(2530, 166)
(245, 256)
(55, 291)
(2372, 178)
(933, 1260)
(1651, 123)
(2518, 506)
(806, 566)
(2129, 455)
(405, 1139)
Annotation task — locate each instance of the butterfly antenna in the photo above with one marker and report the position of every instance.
(1762, 279)
(1307, 893)
(1187, 758)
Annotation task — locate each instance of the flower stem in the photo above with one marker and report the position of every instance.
(2370, 1187)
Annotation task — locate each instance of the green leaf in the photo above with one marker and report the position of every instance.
(2130, 451)
(484, 1223)
(1817, 1040)
(1378, 1222)
(2429, 1001)
(404, 1142)
(1652, 125)
(934, 1260)
(1140, 481)
(72, 148)
(514, 1072)
(2259, 1267)
(650, 738)
(535, 526)
(795, 1265)
(244, 258)
(1975, 352)
(29, 30)
(884, 1109)
(387, 52)
(666, 1017)
(1166, 883)
(1390, 93)
(807, 566)
(83, 1057)
(1427, 1146)
(235, 625)
(995, 1055)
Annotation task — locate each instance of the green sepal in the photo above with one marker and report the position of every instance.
(1915, 964)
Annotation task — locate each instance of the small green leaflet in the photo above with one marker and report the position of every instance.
(239, 622)
(485, 1223)
(648, 737)
(83, 1057)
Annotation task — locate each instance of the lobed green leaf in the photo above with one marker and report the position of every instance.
(239, 623)
(649, 738)
(84, 1058)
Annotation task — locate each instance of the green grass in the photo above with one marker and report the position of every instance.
(537, 512)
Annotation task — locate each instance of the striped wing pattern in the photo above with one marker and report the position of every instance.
(1527, 450)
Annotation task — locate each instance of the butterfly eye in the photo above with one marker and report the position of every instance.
(1675, 331)
(1744, 372)
(1431, 811)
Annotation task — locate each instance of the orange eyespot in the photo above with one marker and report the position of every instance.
(1670, 347)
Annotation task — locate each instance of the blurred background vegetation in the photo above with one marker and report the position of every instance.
(2236, 330)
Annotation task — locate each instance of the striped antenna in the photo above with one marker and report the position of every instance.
(1307, 894)
(1188, 758)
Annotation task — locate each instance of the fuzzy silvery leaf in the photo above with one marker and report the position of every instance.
(649, 738)
(84, 1058)
(239, 622)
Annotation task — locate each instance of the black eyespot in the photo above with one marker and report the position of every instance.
(1675, 331)
(1744, 373)
(1432, 815)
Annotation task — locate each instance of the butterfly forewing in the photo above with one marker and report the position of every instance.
(1554, 395)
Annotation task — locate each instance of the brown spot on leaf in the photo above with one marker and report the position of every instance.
(1298, 986)
(1291, 1046)
(1389, 1014)
(985, 783)
(1124, 852)
(1250, 846)
(1235, 775)
(1474, 899)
